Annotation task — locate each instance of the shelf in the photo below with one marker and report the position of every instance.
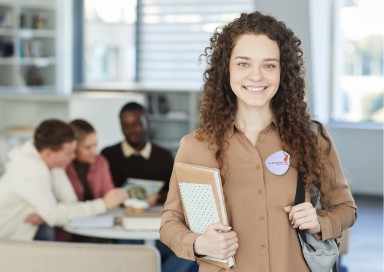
(38, 62)
(7, 31)
(31, 33)
(170, 116)
(29, 44)
(7, 61)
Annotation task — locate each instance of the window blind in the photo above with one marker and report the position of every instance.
(172, 34)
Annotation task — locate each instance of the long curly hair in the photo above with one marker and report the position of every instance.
(218, 103)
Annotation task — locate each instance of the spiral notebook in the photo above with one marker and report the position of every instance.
(203, 201)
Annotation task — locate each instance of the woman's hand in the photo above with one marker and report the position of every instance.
(303, 216)
(152, 199)
(218, 241)
(114, 197)
(34, 219)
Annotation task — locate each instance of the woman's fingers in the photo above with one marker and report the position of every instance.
(303, 216)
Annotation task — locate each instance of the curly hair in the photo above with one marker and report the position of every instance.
(218, 103)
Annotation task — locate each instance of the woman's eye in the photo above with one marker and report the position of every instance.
(270, 66)
(243, 64)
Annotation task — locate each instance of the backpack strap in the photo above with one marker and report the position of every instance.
(300, 198)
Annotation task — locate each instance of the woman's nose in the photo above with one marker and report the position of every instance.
(256, 74)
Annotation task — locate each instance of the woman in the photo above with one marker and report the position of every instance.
(254, 126)
(89, 172)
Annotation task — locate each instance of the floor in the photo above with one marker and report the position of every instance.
(365, 250)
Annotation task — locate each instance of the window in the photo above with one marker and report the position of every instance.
(109, 42)
(173, 34)
(358, 80)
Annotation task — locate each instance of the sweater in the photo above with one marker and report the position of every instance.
(29, 186)
(158, 167)
(98, 177)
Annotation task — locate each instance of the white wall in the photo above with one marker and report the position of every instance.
(361, 153)
(102, 111)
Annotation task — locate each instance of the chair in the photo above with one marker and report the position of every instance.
(36, 256)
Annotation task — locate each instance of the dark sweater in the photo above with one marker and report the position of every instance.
(158, 167)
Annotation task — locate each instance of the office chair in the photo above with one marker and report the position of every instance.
(37, 256)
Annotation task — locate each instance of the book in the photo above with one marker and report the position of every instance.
(203, 201)
(142, 188)
(147, 221)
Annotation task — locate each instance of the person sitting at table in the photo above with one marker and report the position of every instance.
(138, 157)
(88, 173)
(35, 189)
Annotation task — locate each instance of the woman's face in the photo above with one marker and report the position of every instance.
(254, 70)
(87, 149)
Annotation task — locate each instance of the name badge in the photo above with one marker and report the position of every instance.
(278, 162)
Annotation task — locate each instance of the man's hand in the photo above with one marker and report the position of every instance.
(304, 216)
(114, 197)
(34, 219)
(218, 241)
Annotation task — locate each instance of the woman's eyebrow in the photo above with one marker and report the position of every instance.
(248, 58)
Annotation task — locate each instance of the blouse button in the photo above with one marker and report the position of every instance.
(263, 246)
(258, 166)
(260, 192)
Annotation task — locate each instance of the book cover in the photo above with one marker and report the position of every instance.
(203, 201)
(142, 188)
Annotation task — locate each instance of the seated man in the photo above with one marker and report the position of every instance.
(137, 157)
(35, 188)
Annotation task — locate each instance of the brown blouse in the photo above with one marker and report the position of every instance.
(254, 198)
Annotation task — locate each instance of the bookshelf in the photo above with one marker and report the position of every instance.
(29, 43)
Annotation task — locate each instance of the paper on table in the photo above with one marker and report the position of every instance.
(101, 221)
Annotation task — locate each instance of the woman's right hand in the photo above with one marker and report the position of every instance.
(115, 197)
(218, 241)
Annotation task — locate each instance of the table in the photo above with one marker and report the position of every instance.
(116, 231)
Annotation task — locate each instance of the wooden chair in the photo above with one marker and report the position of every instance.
(36, 256)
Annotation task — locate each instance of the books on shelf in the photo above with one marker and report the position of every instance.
(203, 201)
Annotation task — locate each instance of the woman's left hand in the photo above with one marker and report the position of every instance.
(303, 216)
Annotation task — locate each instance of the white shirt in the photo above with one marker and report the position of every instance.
(28, 186)
(128, 150)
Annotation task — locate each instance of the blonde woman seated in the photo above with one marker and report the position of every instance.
(89, 172)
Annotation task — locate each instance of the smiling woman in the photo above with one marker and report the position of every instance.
(256, 129)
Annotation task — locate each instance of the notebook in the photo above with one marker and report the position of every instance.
(203, 201)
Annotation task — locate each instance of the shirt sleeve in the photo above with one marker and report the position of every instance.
(173, 231)
(340, 213)
(39, 191)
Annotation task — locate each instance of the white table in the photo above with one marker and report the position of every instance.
(117, 231)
